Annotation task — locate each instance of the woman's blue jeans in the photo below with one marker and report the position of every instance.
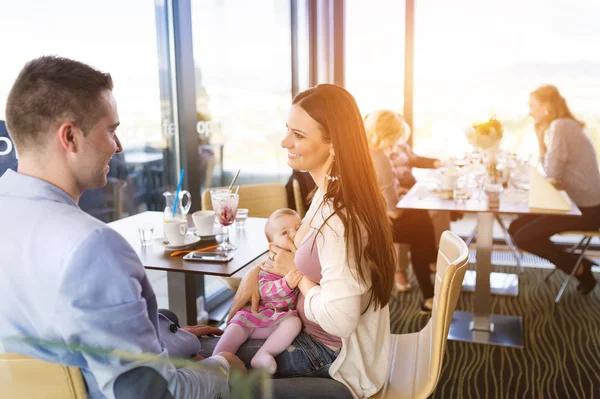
(305, 357)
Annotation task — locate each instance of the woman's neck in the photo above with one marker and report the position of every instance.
(320, 179)
(319, 175)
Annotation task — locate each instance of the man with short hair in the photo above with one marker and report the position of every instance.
(70, 283)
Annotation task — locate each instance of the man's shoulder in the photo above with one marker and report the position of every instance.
(73, 223)
(76, 230)
(83, 228)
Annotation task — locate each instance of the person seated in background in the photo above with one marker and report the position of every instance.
(403, 158)
(403, 161)
(67, 278)
(8, 154)
(277, 320)
(568, 156)
(410, 226)
(306, 184)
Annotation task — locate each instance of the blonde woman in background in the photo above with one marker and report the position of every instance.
(403, 161)
(414, 226)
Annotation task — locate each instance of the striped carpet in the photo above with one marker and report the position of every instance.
(561, 358)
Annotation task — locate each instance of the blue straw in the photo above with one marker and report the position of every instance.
(178, 190)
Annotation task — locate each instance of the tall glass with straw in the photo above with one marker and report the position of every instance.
(225, 205)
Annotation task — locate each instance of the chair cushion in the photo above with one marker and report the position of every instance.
(26, 377)
(403, 363)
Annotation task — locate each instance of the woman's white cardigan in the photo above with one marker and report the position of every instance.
(337, 305)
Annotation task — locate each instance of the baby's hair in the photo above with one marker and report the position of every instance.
(276, 215)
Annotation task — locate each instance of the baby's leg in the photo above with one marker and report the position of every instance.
(234, 336)
(283, 335)
(262, 332)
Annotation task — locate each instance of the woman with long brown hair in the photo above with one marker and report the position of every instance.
(568, 157)
(344, 249)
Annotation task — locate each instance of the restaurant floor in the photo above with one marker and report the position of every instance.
(561, 358)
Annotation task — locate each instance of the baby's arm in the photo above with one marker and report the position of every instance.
(293, 278)
(279, 288)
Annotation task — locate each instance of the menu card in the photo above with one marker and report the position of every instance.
(543, 195)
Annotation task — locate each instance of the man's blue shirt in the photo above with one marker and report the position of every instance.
(68, 279)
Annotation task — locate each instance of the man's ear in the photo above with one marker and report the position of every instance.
(68, 136)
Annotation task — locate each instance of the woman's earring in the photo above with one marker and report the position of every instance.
(330, 177)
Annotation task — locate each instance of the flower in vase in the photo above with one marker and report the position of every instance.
(485, 135)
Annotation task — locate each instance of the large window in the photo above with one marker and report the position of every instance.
(242, 56)
(374, 53)
(120, 38)
(477, 59)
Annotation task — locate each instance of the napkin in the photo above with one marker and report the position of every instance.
(543, 195)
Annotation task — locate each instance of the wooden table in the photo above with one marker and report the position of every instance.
(182, 291)
(481, 326)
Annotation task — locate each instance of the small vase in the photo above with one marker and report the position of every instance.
(491, 161)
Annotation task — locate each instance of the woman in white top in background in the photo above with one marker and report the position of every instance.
(344, 249)
(569, 158)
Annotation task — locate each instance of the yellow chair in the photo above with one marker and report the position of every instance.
(23, 377)
(260, 199)
(416, 359)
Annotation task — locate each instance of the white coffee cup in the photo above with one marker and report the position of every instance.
(204, 222)
(175, 231)
(448, 182)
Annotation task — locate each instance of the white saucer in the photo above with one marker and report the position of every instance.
(216, 231)
(190, 239)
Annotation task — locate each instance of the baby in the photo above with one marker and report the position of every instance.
(277, 320)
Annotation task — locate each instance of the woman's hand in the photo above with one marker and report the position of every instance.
(281, 261)
(556, 183)
(395, 214)
(246, 292)
(539, 134)
(402, 191)
(202, 331)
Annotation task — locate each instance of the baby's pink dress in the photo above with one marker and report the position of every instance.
(277, 302)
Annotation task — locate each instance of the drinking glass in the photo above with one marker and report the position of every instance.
(225, 205)
(461, 191)
(240, 218)
(145, 232)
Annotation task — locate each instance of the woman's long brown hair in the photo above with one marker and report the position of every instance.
(356, 197)
(555, 103)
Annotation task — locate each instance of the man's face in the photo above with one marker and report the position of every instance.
(99, 146)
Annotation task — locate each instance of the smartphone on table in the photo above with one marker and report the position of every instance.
(209, 256)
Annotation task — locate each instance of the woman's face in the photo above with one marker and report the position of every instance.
(536, 109)
(306, 149)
